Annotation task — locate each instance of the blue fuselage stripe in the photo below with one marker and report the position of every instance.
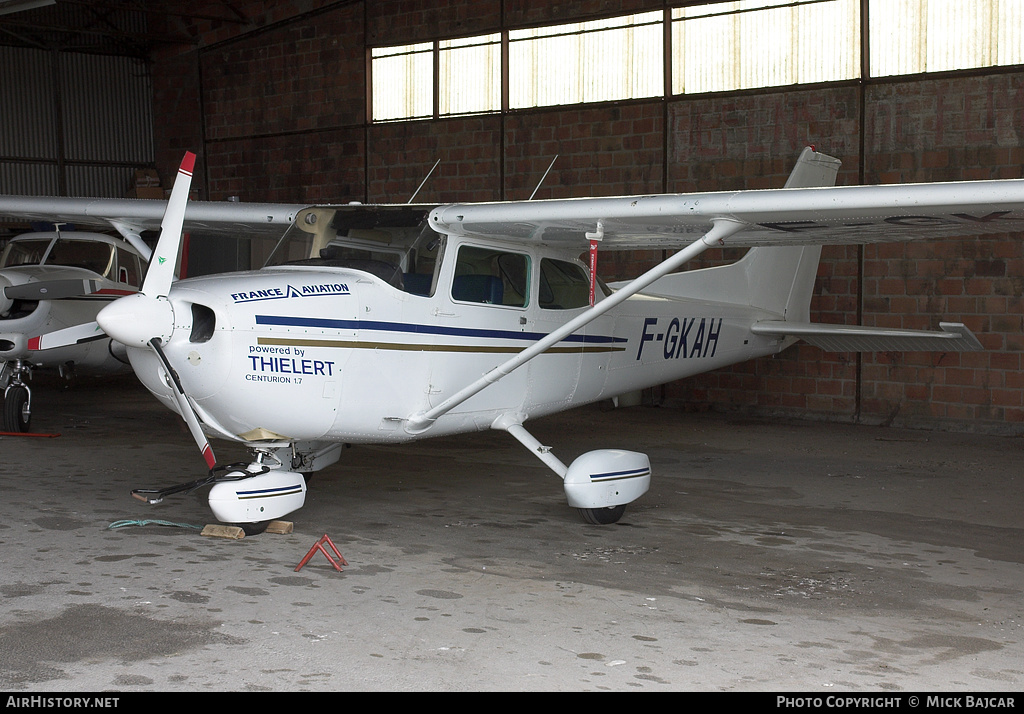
(615, 475)
(423, 329)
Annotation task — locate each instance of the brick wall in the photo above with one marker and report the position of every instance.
(283, 119)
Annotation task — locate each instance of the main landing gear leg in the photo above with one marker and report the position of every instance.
(599, 483)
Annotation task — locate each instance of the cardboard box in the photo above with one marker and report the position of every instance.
(146, 178)
(146, 184)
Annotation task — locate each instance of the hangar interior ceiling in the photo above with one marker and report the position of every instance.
(132, 28)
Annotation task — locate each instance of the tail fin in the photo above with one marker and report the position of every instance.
(778, 279)
(781, 279)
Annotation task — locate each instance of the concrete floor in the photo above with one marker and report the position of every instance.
(767, 556)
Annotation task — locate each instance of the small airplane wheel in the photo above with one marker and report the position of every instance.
(17, 416)
(251, 529)
(602, 516)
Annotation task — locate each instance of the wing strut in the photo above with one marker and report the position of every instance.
(721, 229)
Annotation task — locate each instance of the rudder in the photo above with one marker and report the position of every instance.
(781, 279)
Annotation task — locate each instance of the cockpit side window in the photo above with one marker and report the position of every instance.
(424, 260)
(490, 276)
(563, 285)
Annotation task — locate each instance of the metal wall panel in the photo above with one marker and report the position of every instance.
(23, 179)
(107, 108)
(73, 124)
(28, 124)
(91, 181)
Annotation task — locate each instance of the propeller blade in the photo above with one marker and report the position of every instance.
(86, 332)
(185, 407)
(147, 317)
(52, 289)
(136, 320)
(160, 273)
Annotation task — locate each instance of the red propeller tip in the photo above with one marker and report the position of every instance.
(211, 460)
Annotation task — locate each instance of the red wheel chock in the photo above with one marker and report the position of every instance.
(319, 545)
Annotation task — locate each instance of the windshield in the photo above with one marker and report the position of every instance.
(88, 254)
(24, 252)
(393, 242)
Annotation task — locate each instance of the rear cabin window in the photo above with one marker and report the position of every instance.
(129, 269)
(492, 277)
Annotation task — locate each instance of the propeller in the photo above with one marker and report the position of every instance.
(52, 289)
(146, 319)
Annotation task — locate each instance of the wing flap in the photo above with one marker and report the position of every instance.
(951, 337)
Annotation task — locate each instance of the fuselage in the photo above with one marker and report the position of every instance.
(327, 352)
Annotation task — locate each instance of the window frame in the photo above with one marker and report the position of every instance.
(859, 60)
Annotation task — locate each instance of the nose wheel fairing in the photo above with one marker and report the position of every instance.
(257, 497)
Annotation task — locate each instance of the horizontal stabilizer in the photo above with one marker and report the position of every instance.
(952, 337)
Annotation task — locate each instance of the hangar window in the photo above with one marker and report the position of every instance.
(403, 81)
(468, 78)
(601, 60)
(469, 75)
(939, 35)
(764, 43)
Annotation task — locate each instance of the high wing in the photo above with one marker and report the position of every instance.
(766, 217)
(131, 216)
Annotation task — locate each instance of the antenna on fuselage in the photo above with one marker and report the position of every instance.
(423, 182)
(550, 166)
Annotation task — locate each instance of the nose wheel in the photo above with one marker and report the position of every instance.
(17, 400)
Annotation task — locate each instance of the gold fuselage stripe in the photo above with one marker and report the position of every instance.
(409, 347)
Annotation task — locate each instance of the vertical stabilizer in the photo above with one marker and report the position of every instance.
(813, 169)
(778, 279)
(781, 279)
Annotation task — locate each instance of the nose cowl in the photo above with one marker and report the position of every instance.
(135, 320)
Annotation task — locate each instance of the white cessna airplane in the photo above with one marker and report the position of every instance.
(385, 324)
